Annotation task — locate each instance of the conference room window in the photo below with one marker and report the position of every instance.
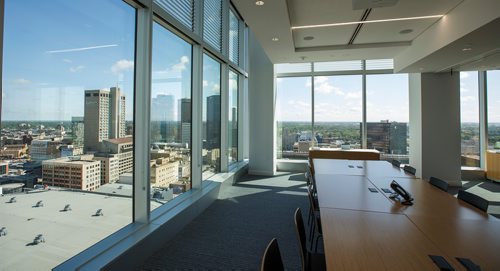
(211, 116)
(293, 118)
(338, 111)
(234, 42)
(232, 125)
(493, 94)
(171, 122)
(387, 106)
(67, 127)
(212, 23)
(469, 116)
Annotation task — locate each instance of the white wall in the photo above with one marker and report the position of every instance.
(261, 110)
(435, 126)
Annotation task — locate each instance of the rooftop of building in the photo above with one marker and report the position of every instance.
(66, 233)
(121, 140)
(70, 160)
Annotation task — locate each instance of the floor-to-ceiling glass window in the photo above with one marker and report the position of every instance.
(293, 117)
(493, 94)
(67, 127)
(469, 116)
(211, 116)
(338, 111)
(232, 125)
(170, 160)
(387, 116)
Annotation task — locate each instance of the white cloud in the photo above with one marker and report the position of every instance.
(183, 61)
(466, 99)
(279, 80)
(205, 83)
(77, 68)
(353, 95)
(323, 86)
(22, 81)
(464, 75)
(122, 65)
(216, 88)
(67, 60)
(463, 89)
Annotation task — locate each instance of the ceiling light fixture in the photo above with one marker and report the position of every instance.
(308, 38)
(259, 3)
(367, 22)
(275, 39)
(405, 31)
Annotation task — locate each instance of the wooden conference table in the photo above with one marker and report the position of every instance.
(365, 230)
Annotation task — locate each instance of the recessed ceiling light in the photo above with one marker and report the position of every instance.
(367, 22)
(259, 3)
(308, 38)
(275, 39)
(467, 47)
(406, 31)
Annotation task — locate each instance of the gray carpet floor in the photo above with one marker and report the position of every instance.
(233, 232)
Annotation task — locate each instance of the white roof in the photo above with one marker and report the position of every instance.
(65, 233)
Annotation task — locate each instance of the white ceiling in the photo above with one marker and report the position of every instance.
(374, 40)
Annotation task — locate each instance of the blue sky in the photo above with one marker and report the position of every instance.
(54, 50)
(339, 98)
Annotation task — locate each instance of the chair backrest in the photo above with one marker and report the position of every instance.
(410, 169)
(439, 183)
(271, 260)
(473, 200)
(301, 235)
(396, 163)
(312, 202)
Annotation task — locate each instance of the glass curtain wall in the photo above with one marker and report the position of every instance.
(387, 114)
(170, 160)
(211, 110)
(493, 93)
(67, 127)
(338, 111)
(293, 117)
(232, 126)
(469, 116)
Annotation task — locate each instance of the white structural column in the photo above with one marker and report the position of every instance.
(435, 125)
(261, 98)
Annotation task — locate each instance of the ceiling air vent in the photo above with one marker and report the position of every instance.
(366, 4)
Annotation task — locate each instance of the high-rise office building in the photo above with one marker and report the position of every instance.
(184, 135)
(104, 117)
(213, 122)
(387, 137)
(117, 113)
(77, 131)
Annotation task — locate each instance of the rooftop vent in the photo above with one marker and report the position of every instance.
(39, 239)
(12, 200)
(99, 212)
(3, 231)
(67, 207)
(120, 187)
(39, 204)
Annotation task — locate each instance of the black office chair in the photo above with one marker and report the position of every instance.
(310, 261)
(314, 217)
(439, 183)
(396, 163)
(271, 260)
(410, 169)
(473, 200)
